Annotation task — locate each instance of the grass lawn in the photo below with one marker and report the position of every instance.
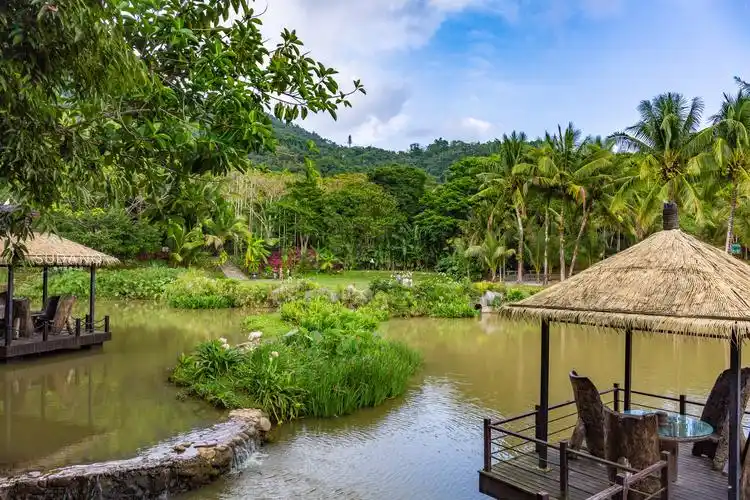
(360, 279)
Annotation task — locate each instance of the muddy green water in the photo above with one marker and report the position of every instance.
(108, 403)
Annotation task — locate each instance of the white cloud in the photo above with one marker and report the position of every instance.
(514, 69)
(476, 125)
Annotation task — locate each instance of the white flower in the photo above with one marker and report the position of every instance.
(222, 340)
(255, 335)
(274, 354)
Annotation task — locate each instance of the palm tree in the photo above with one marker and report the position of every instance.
(502, 184)
(224, 226)
(730, 132)
(492, 252)
(666, 139)
(571, 169)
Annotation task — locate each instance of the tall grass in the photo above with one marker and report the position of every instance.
(331, 364)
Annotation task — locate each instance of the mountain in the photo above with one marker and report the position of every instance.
(335, 159)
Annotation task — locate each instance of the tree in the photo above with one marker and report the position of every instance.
(406, 184)
(666, 139)
(730, 133)
(491, 252)
(143, 86)
(501, 184)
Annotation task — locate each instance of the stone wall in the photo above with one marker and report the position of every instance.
(183, 463)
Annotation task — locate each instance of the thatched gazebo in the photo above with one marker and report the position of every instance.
(45, 251)
(671, 283)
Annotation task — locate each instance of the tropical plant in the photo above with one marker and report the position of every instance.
(666, 139)
(492, 252)
(326, 260)
(730, 133)
(256, 252)
(186, 244)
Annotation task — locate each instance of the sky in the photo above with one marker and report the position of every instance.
(475, 69)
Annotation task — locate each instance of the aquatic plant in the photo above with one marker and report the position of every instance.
(332, 363)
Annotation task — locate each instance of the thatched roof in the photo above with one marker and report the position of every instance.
(55, 251)
(670, 282)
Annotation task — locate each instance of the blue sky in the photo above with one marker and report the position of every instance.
(475, 69)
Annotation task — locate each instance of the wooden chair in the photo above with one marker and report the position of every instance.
(48, 313)
(590, 426)
(635, 439)
(716, 413)
(60, 318)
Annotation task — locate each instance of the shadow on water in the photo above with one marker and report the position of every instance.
(107, 404)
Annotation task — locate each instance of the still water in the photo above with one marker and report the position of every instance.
(108, 403)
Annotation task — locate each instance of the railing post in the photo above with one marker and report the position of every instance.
(564, 468)
(487, 443)
(542, 495)
(87, 323)
(537, 429)
(666, 475)
(620, 481)
(544, 393)
(45, 331)
(616, 388)
(106, 324)
(78, 327)
(683, 404)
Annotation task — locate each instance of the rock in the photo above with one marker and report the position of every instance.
(165, 469)
(264, 424)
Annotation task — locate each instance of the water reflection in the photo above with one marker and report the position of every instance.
(106, 403)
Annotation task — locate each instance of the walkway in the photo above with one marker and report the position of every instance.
(232, 271)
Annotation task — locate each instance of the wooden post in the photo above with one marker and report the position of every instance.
(45, 286)
(92, 299)
(564, 468)
(616, 393)
(543, 422)
(735, 415)
(9, 309)
(106, 324)
(45, 331)
(683, 404)
(666, 475)
(628, 366)
(86, 323)
(78, 327)
(487, 445)
(620, 481)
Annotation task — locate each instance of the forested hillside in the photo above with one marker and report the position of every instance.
(334, 159)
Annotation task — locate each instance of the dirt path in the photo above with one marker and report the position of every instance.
(232, 271)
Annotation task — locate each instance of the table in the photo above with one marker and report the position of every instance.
(677, 429)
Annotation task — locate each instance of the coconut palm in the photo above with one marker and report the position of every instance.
(500, 183)
(572, 169)
(491, 252)
(666, 138)
(730, 132)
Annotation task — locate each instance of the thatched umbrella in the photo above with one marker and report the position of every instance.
(49, 250)
(670, 283)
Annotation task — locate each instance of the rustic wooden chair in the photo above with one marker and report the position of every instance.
(60, 318)
(48, 313)
(635, 439)
(590, 426)
(716, 413)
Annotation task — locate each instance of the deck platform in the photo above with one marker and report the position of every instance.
(36, 344)
(521, 478)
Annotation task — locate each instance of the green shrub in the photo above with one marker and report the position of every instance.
(195, 290)
(332, 364)
(290, 290)
(353, 297)
(438, 296)
(112, 231)
(144, 283)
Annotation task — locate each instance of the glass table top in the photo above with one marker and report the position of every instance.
(678, 427)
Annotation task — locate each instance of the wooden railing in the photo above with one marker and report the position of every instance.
(509, 445)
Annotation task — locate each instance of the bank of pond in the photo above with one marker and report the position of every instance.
(108, 404)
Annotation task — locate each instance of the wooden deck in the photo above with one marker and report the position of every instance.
(520, 478)
(28, 346)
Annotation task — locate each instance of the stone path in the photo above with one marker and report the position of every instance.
(232, 271)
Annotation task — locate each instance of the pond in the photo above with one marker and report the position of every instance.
(108, 403)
